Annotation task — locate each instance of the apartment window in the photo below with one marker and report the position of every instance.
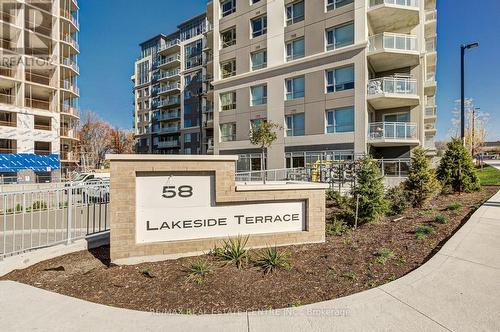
(228, 101)
(253, 1)
(259, 95)
(259, 59)
(227, 7)
(294, 12)
(334, 4)
(228, 132)
(228, 68)
(340, 120)
(340, 79)
(228, 37)
(295, 125)
(295, 88)
(259, 26)
(295, 49)
(397, 117)
(340, 36)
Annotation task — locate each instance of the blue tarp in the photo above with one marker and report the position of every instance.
(10, 163)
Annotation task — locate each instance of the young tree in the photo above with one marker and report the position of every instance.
(456, 169)
(94, 139)
(263, 135)
(370, 192)
(421, 183)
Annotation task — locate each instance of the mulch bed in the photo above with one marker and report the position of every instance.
(341, 266)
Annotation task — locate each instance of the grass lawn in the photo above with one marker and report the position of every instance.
(489, 176)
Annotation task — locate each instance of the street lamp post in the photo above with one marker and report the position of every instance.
(463, 47)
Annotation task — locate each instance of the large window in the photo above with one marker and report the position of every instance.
(340, 79)
(259, 26)
(259, 59)
(228, 37)
(259, 95)
(295, 49)
(334, 4)
(228, 68)
(397, 117)
(295, 125)
(227, 7)
(228, 132)
(295, 88)
(340, 36)
(340, 120)
(294, 12)
(228, 101)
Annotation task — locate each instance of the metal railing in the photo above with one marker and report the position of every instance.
(168, 144)
(283, 174)
(170, 73)
(170, 59)
(395, 41)
(169, 101)
(40, 218)
(396, 85)
(392, 130)
(408, 3)
(170, 115)
(169, 44)
(169, 87)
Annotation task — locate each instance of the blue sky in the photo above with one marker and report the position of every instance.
(112, 29)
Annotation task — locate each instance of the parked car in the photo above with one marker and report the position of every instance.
(95, 191)
(88, 177)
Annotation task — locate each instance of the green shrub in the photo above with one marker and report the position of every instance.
(234, 251)
(421, 183)
(456, 170)
(382, 255)
(147, 273)
(350, 275)
(398, 200)
(198, 270)
(336, 227)
(422, 231)
(442, 219)
(371, 192)
(271, 259)
(454, 206)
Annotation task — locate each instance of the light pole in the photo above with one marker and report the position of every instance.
(463, 47)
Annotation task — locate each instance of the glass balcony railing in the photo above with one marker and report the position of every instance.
(169, 59)
(394, 41)
(392, 130)
(169, 44)
(170, 73)
(407, 3)
(168, 144)
(169, 116)
(395, 85)
(169, 87)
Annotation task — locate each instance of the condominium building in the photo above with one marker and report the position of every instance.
(173, 110)
(38, 89)
(342, 77)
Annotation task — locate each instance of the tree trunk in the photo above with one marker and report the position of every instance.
(262, 165)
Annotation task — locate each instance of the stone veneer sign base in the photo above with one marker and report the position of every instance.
(165, 206)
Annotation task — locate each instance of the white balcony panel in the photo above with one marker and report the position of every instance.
(388, 51)
(392, 133)
(392, 92)
(393, 15)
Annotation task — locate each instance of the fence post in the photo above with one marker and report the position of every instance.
(70, 216)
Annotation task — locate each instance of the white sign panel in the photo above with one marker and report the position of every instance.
(171, 208)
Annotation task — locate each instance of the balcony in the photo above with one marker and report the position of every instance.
(169, 129)
(168, 144)
(37, 103)
(171, 61)
(170, 46)
(392, 133)
(168, 88)
(66, 14)
(37, 78)
(69, 156)
(67, 85)
(393, 15)
(430, 128)
(68, 133)
(208, 120)
(68, 39)
(430, 84)
(70, 64)
(430, 22)
(171, 101)
(430, 113)
(170, 116)
(7, 99)
(388, 51)
(392, 92)
(165, 75)
(70, 110)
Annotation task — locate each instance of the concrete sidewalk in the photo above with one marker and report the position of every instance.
(457, 290)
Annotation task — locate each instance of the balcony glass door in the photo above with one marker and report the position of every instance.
(395, 125)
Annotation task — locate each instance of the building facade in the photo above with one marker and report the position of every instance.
(38, 89)
(342, 78)
(173, 112)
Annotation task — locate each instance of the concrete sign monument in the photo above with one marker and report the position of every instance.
(163, 205)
